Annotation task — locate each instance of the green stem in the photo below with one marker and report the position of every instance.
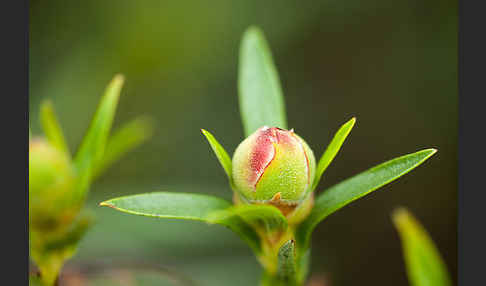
(49, 271)
(269, 279)
(288, 265)
(272, 279)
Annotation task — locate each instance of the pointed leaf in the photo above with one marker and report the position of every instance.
(83, 181)
(332, 150)
(93, 146)
(183, 206)
(169, 205)
(286, 270)
(260, 95)
(221, 154)
(425, 266)
(128, 137)
(266, 216)
(51, 127)
(356, 187)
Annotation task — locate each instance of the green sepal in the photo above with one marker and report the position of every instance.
(332, 150)
(223, 157)
(51, 127)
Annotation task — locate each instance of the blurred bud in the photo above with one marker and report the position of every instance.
(51, 180)
(273, 165)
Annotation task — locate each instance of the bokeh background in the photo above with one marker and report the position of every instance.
(392, 64)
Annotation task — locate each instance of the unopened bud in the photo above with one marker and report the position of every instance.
(273, 165)
(51, 180)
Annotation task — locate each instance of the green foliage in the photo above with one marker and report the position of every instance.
(50, 250)
(185, 206)
(425, 266)
(169, 205)
(356, 187)
(90, 154)
(282, 248)
(58, 185)
(126, 138)
(332, 150)
(52, 128)
(221, 154)
(260, 95)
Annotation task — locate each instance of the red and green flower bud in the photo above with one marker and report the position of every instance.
(273, 165)
(51, 180)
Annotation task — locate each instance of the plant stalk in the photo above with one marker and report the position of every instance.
(284, 264)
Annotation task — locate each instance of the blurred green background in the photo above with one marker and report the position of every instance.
(392, 64)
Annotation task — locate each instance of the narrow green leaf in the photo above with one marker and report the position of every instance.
(266, 216)
(286, 270)
(260, 95)
(184, 206)
(221, 154)
(356, 187)
(83, 181)
(51, 127)
(93, 146)
(128, 137)
(169, 205)
(425, 266)
(332, 150)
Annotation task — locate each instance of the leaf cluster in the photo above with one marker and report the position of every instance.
(281, 246)
(52, 243)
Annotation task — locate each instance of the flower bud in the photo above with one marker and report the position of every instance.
(51, 180)
(273, 165)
